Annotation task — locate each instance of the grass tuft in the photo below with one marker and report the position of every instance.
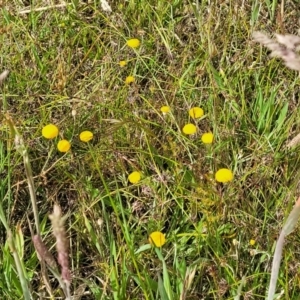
(127, 74)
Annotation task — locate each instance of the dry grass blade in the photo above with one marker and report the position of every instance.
(287, 229)
(27, 11)
(189, 277)
(294, 142)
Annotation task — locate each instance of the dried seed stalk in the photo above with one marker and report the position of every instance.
(43, 252)
(61, 243)
(286, 47)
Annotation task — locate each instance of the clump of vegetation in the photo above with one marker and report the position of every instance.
(148, 151)
(286, 48)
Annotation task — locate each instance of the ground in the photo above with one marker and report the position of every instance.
(64, 63)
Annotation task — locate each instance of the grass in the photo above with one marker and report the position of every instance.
(64, 69)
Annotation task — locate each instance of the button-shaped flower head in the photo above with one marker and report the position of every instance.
(196, 112)
(86, 136)
(134, 177)
(165, 109)
(207, 138)
(63, 146)
(129, 79)
(133, 43)
(189, 129)
(50, 131)
(224, 175)
(157, 239)
(122, 63)
(252, 242)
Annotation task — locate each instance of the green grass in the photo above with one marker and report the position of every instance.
(65, 60)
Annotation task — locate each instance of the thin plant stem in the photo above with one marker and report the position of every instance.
(22, 277)
(31, 188)
(20, 146)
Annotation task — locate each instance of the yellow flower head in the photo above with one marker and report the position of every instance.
(86, 136)
(63, 146)
(50, 131)
(134, 177)
(223, 175)
(196, 112)
(122, 63)
(165, 109)
(207, 138)
(189, 129)
(157, 239)
(133, 43)
(129, 79)
(252, 242)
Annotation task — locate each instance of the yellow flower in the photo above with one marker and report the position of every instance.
(165, 109)
(134, 177)
(50, 131)
(129, 79)
(133, 43)
(122, 63)
(207, 138)
(157, 239)
(189, 129)
(223, 175)
(86, 136)
(196, 112)
(63, 146)
(252, 242)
